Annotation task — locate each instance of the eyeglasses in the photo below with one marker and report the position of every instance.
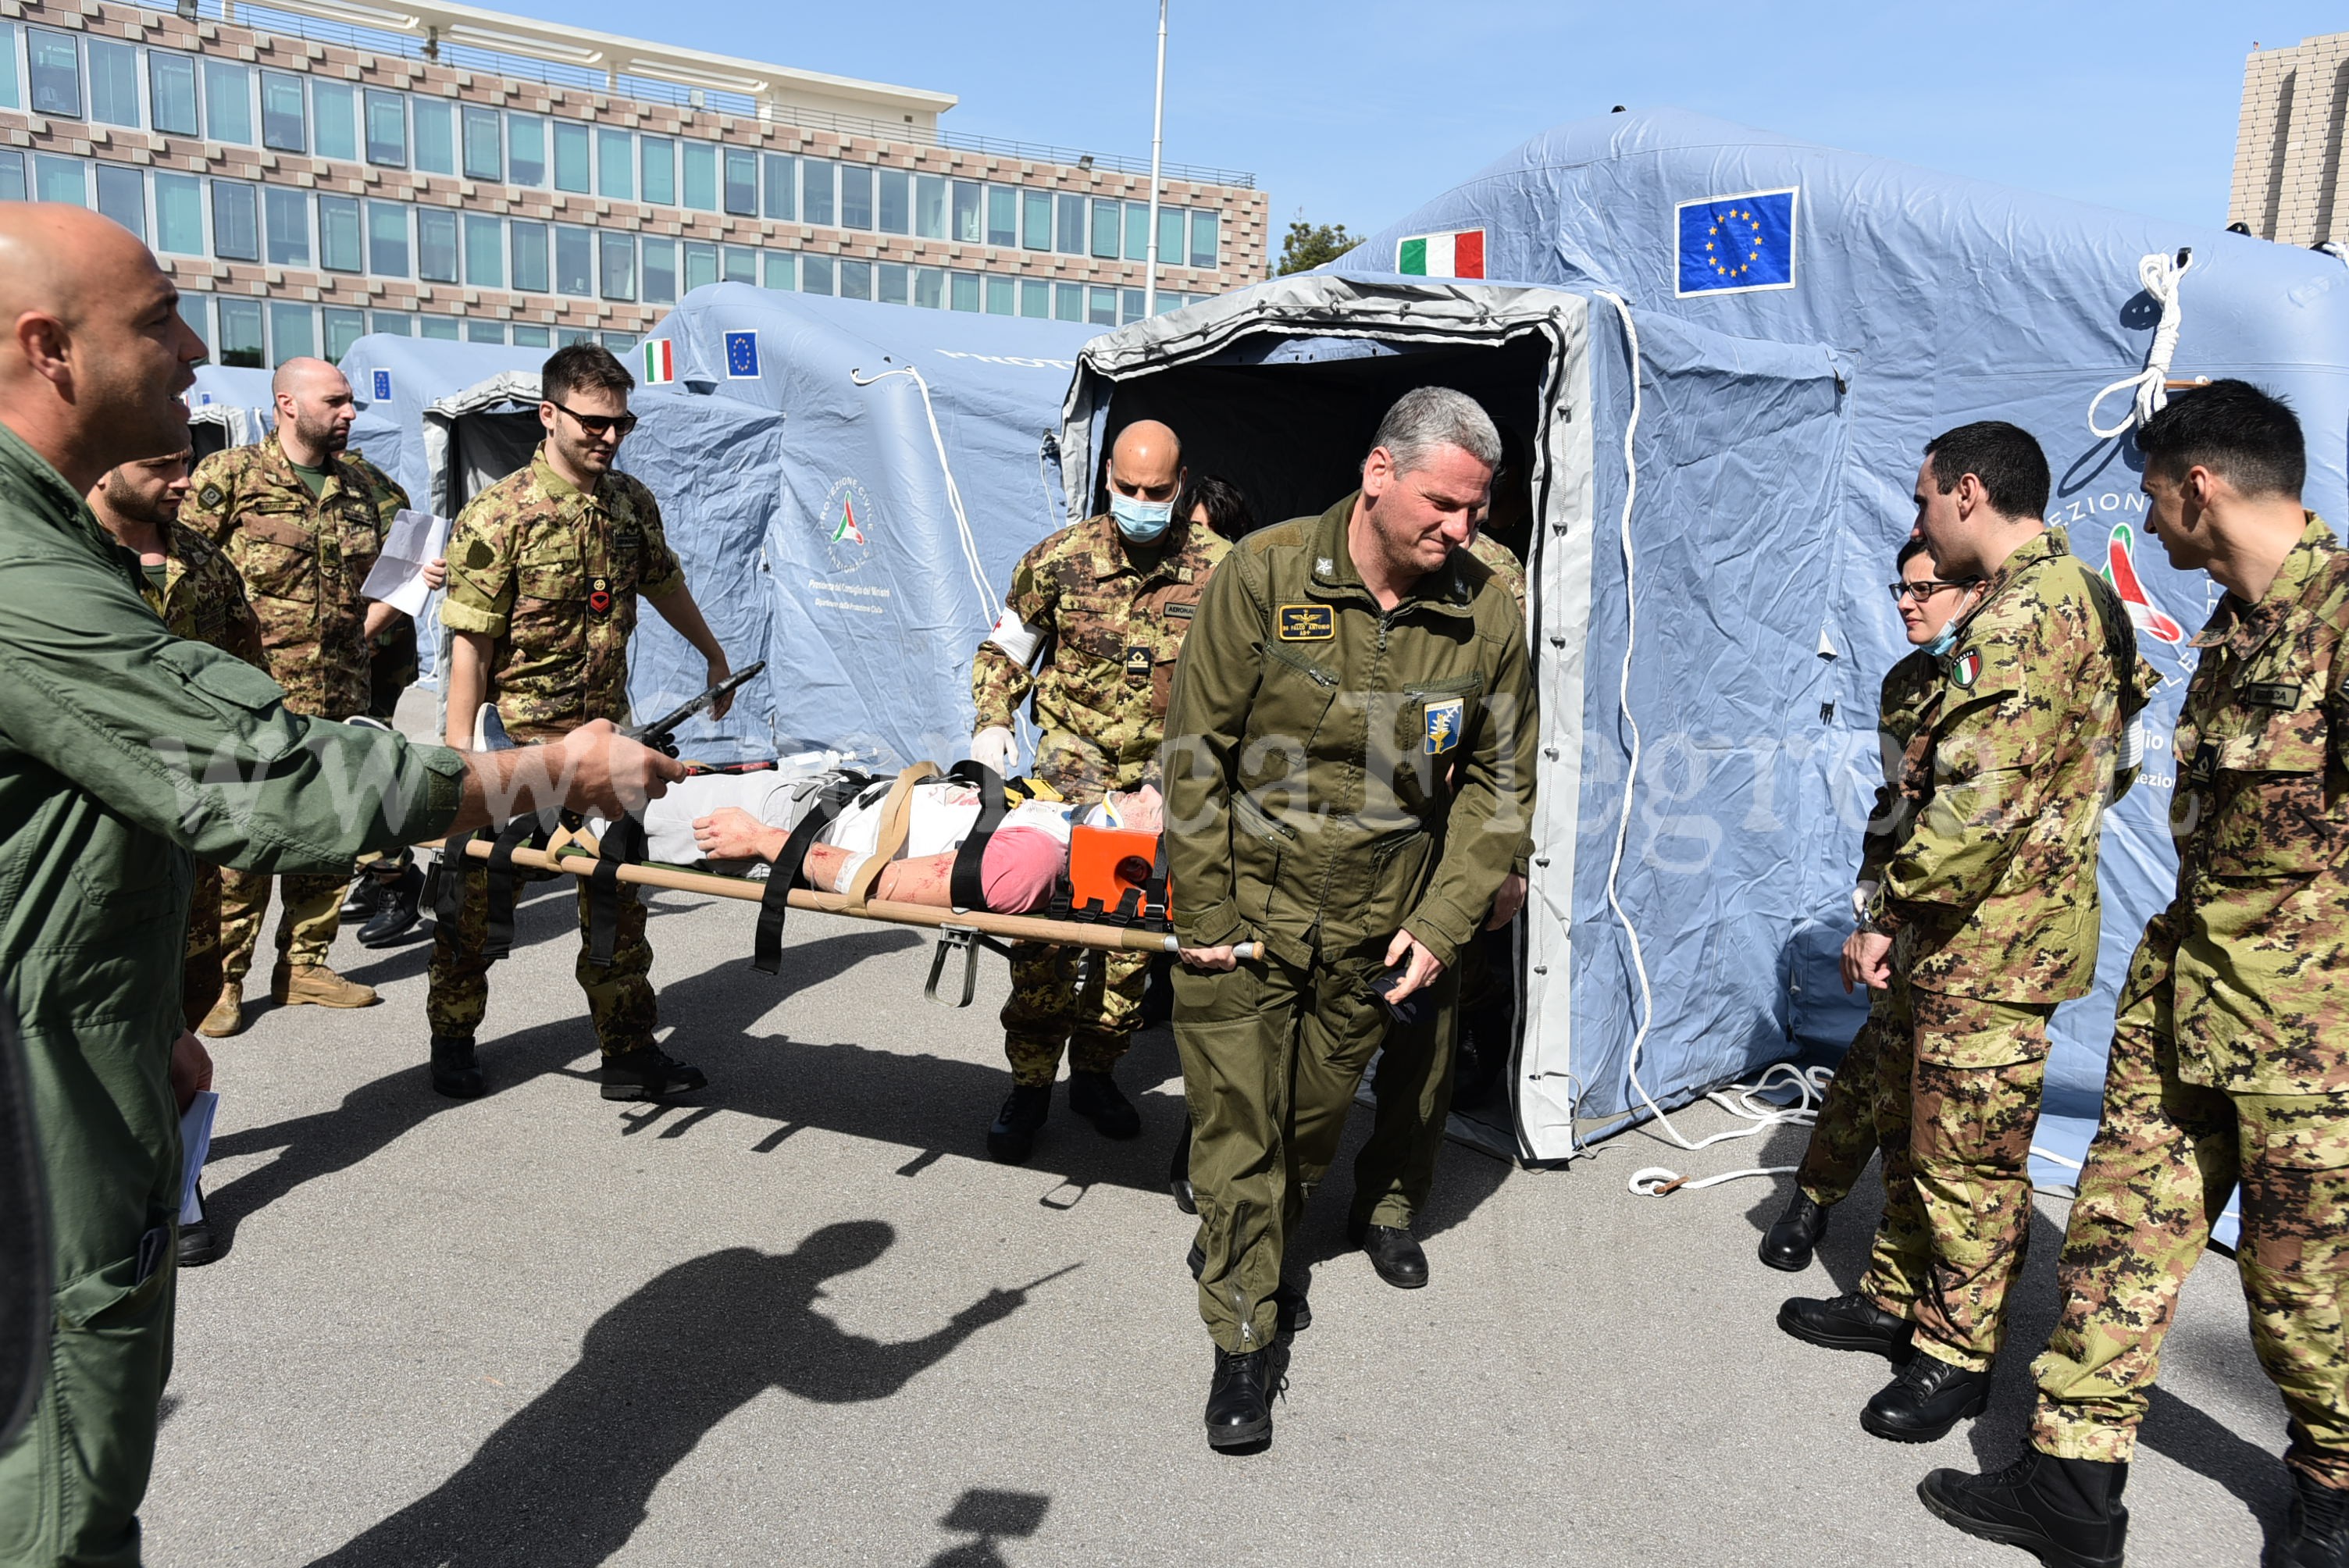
(1924, 588)
(595, 425)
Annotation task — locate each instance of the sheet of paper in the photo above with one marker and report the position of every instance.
(416, 537)
(195, 1142)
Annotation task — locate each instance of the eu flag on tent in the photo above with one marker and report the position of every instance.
(382, 386)
(1459, 254)
(742, 355)
(1730, 244)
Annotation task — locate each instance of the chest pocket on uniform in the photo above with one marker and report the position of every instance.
(550, 607)
(2265, 781)
(277, 558)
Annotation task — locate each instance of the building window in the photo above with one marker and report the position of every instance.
(660, 271)
(620, 342)
(287, 215)
(739, 265)
(282, 126)
(965, 219)
(340, 248)
(575, 261)
(816, 191)
(930, 288)
(344, 328)
(855, 196)
(1171, 247)
(1133, 301)
(478, 331)
(484, 158)
(334, 119)
(122, 196)
(439, 328)
(436, 244)
(1002, 215)
(388, 239)
(9, 70)
(433, 123)
(778, 270)
(1036, 220)
(659, 156)
(525, 336)
(570, 144)
(179, 215)
(893, 284)
(240, 332)
(1000, 293)
(896, 201)
(1109, 229)
(1137, 231)
(1035, 298)
(236, 223)
(741, 183)
(191, 311)
(856, 279)
(12, 173)
(1067, 302)
(228, 102)
(930, 206)
(701, 176)
(1100, 306)
(1203, 240)
(525, 150)
(292, 332)
(616, 164)
(113, 83)
(386, 129)
(963, 290)
(485, 251)
(172, 93)
(565, 336)
(1070, 240)
(60, 179)
(815, 274)
(528, 241)
(700, 265)
(780, 176)
(394, 323)
(55, 67)
(617, 259)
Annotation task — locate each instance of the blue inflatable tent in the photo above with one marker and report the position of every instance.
(229, 406)
(1722, 352)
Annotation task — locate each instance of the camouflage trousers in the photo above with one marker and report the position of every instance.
(619, 998)
(1844, 1136)
(200, 970)
(2166, 1156)
(313, 912)
(1957, 1100)
(1048, 1012)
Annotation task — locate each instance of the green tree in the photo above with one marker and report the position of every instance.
(1310, 244)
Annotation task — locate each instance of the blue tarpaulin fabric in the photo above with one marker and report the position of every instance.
(394, 379)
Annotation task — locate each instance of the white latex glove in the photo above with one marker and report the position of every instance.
(995, 748)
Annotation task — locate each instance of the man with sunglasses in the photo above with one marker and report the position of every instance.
(545, 571)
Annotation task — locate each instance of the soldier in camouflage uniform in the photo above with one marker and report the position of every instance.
(2231, 1056)
(545, 571)
(1104, 604)
(1984, 919)
(303, 524)
(1844, 1136)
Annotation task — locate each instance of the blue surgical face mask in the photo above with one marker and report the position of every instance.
(1945, 641)
(1143, 521)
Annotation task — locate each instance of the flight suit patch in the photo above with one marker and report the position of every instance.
(599, 595)
(1305, 622)
(1442, 724)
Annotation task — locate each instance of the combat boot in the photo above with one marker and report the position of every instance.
(364, 899)
(315, 985)
(1013, 1137)
(1395, 1256)
(1239, 1397)
(1786, 1246)
(2318, 1533)
(648, 1073)
(454, 1071)
(1929, 1397)
(197, 1246)
(1848, 1322)
(1097, 1098)
(227, 1014)
(398, 912)
(2066, 1512)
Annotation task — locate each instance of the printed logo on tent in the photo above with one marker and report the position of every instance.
(1735, 244)
(742, 355)
(660, 361)
(2120, 571)
(382, 379)
(847, 515)
(1458, 254)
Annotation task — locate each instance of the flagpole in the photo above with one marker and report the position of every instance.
(1157, 138)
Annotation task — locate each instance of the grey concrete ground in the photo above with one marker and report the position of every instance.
(541, 1329)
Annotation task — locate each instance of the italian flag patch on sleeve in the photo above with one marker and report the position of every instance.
(660, 362)
(1458, 254)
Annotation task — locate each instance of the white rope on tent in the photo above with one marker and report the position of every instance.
(954, 491)
(2160, 274)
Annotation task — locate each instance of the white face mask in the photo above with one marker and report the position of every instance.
(1142, 521)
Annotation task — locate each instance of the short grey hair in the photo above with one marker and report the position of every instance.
(1430, 416)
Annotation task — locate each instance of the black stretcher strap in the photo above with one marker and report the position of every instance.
(967, 887)
(623, 841)
(501, 876)
(783, 871)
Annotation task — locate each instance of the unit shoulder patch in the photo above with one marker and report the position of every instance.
(1966, 668)
(1305, 622)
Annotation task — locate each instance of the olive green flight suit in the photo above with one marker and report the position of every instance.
(123, 749)
(1334, 773)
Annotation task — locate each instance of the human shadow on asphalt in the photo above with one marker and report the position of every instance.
(566, 1482)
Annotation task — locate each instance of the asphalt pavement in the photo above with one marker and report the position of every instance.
(801, 1319)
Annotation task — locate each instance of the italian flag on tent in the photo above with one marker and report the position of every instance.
(1458, 254)
(660, 362)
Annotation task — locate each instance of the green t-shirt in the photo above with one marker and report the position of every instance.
(313, 479)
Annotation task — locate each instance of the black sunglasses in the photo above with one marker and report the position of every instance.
(596, 424)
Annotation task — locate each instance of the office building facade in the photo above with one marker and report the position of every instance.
(2288, 168)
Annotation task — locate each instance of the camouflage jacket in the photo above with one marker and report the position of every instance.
(1107, 622)
(550, 574)
(303, 561)
(1909, 691)
(1503, 563)
(2260, 815)
(1993, 893)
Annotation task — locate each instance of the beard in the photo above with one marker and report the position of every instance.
(328, 435)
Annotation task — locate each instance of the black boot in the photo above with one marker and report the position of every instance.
(454, 1072)
(1925, 1401)
(1239, 1398)
(364, 897)
(1849, 1322)
(2066, 1512)
(648, 1073)
(1292, 1311)
(396, 915)
(1013, 1137)
(1396, 1257)
(1786, 1246)
(1178, 1172)
(1096, 1097)
(197, 1246)
(2318, 1534)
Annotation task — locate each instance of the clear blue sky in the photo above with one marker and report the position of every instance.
(1354, 112)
